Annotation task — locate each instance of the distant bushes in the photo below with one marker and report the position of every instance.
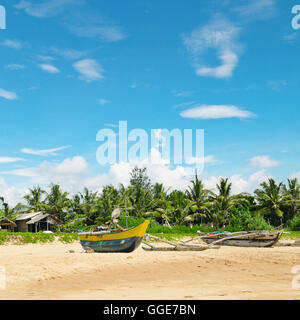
(294, 224)
(244, 220)
(39, 237)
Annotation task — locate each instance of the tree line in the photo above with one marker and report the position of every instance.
(271, 205)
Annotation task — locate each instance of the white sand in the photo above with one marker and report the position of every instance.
(50, 271)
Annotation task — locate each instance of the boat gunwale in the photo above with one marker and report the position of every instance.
(96, 233)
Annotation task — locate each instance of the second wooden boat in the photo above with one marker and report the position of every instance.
(244, 239)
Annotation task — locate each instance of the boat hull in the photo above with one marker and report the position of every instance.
(123, 241)
(265, 240)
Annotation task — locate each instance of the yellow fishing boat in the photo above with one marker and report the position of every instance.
(126, 240)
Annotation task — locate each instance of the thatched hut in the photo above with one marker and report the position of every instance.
(6, 225)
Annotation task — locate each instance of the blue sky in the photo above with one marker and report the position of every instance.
(72, 67)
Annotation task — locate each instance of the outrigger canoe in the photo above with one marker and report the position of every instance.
(114, 241)
(244, 239)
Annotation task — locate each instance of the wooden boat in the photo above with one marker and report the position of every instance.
(126, 240)
(174, 246)
(244, 238)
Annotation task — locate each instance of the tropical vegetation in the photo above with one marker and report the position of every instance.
(273, 204)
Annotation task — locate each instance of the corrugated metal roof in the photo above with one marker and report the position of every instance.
(25, 216)
(37, 218)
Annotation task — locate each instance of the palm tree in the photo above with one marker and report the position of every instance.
(88, 204)
(57, 201)
(221, 209)
(271, 199)
(159, 191)
(198, 200)
(224, 188)
(35, 199)
(293, 193)
(6, 211)
(223, 203)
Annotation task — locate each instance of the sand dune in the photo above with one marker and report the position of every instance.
(65, 271)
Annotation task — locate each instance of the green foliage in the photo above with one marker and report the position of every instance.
(39, 237)
(272, 202)
(294, 224)
(241, 219)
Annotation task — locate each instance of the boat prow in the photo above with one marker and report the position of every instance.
(110, 241)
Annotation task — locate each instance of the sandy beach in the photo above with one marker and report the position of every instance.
(65, 271)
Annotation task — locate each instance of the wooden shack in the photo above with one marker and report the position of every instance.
(35, 222)
(6, 225)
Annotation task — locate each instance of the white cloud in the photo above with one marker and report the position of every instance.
(8, 95)
(220, 35)
(14, 66)
(73, 175)
(102, 32)
(47, 8)
(46, 152)
(10, 159)
(229, 62)
(45, 58)
(239, 183)
(182, 93)
(216, 112)
(66, 172)
(263, 161)
(49, 68)
(276, 85)
(295, 175)
(12, 44)
(89, 69)
(12, 195)
(71, 54)
(103, 101)
(206, 159)
(257, 9)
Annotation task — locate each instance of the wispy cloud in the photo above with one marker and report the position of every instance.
(8, 95)
(84, 21)
(221, 35)
(46, 8)
(47, 152)
(49, 68)
(257, 9)
(89, 69)
(263, 161)
(10, 159)
(68, 170)
(71, 54)
(207, 160)
(101, 32)
(182, 93)
(184, 104)
(14, 66)
(216, 112)
(291, 37)
(45, 58)
(111, 125)
(103, 101)
(276, 85)
(12, 44)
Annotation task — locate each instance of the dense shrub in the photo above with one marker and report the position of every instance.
(242, 219)
(294, 224)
